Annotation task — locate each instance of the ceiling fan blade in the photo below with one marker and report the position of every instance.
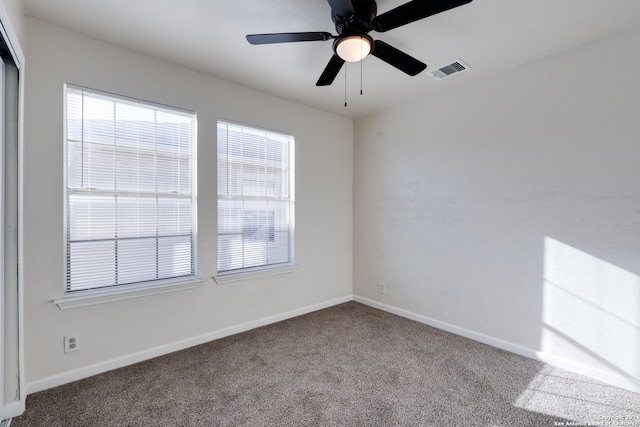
(397, 58)
(330, 71)
(288, 37)
(413, 11)
(342, 7)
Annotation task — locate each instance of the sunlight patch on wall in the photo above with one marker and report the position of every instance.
(590, 319)
(591, 311)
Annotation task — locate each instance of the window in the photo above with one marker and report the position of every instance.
(255, 198)
(130, 197)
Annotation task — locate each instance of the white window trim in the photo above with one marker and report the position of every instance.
(258, 272)
(69, 302)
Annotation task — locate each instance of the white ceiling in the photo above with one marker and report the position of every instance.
(208, 36)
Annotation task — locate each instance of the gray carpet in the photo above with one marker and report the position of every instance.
(348, 365)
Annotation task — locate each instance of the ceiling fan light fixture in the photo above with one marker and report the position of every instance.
(354, 48)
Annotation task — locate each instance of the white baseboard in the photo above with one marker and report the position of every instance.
(560, 362)
(476, 336)
(588, 371)
(13, 409)
(130, 359)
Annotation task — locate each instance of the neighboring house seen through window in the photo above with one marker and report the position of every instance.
(255, 198)
(130, 193)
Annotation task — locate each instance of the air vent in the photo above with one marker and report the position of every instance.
(449, 70)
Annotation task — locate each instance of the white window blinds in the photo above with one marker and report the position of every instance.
(130, 199)
(255, 198)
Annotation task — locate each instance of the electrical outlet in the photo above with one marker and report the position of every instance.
(71, 343)
(382, 287)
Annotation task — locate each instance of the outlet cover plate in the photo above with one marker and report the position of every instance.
(71, 343)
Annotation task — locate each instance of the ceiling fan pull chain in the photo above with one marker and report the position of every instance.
(361, 61)
(345, 85)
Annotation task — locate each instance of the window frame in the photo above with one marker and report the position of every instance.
(111, 292)
(267, 269)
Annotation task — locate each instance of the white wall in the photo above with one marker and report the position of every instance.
(122, 332)
(509, 209)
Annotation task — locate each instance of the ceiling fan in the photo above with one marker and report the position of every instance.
(354, 19)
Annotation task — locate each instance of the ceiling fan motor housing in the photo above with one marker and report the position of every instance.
(361, 22)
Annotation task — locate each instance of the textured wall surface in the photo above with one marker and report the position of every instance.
(510, 207)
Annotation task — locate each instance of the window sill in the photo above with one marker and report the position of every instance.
(266, 272)
(102, 298)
